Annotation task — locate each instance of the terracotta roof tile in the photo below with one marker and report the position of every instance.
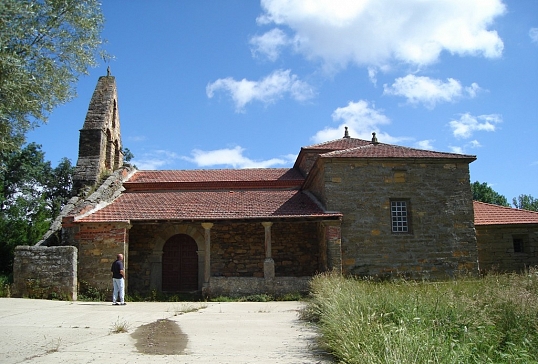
(488, 214)
(215, 179)
(208, 205)
(381, 150)
(217, 175)
(339, 144)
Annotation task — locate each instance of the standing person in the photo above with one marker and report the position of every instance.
(118, 275)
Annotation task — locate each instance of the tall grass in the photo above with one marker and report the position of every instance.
(487, 320)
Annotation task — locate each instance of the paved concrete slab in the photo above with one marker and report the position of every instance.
(41, 331)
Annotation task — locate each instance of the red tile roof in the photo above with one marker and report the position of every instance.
(215, 179)
(208, 205)
(217, 175)
(488, 214)
(381, 150)
(339, 144)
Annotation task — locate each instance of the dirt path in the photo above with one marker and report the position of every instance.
(38, 331)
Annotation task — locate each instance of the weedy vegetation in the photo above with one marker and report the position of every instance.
(54, 345)
(493, 319)
(120, 326)
(5, 286)
(186, 307)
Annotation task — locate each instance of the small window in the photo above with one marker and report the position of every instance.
(518, 245)
(519, 241)
(399, 210)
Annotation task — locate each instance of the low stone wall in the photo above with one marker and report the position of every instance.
(244, 286)
(45, 272)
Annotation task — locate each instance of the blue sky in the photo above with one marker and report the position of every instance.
(241, 84)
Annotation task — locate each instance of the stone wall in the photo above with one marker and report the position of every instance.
(307, 160)
(244, 286)
(496, 247)
(237, 250)
(442, 242)
(45, 272)
(98, 244)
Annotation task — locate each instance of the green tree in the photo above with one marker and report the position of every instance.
(526, 202)
(127, 155)
(45, 45)
(59, 185)
(484, 193)
(32, 194)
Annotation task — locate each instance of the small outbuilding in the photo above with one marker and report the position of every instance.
(507, 238)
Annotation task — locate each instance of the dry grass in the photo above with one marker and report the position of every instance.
(119, 326)
(487, 320)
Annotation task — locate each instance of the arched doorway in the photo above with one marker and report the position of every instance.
(180, 264)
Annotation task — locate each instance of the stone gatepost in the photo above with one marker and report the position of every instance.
(268, 263)
(333, 238)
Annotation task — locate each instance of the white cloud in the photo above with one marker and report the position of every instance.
(372, 75)
(467, 124)
(375, 33)
(267, 90)
(425, 144)
(361, 120)
(269, 44)
(233, 157)
(156, 159)
(458, 150)
(533, 33)
(429, 91)
(473, 144)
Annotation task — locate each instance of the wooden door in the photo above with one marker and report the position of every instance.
(180, 264)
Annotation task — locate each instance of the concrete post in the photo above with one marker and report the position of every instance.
(207, 264)
(268, 263)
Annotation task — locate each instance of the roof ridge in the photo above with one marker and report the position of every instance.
(213, 185)
(214, 169)
(333, 141)
(341, 151)
(393, 146)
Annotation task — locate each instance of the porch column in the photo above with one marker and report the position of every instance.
(268, 263)
(333, 239)
(207, 263)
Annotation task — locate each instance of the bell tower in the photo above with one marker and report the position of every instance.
(100, 149)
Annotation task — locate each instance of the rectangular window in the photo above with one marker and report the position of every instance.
(399, 210)
(519, 241)
(518, 245)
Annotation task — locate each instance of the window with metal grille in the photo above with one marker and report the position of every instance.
(400, 216)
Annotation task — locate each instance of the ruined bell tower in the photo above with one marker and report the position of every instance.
(100, 149)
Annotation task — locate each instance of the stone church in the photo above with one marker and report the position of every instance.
(357, 207)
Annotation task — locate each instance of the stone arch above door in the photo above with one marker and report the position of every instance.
(167, 231)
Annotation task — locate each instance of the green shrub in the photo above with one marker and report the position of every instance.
(5, 286)
(87, 292)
